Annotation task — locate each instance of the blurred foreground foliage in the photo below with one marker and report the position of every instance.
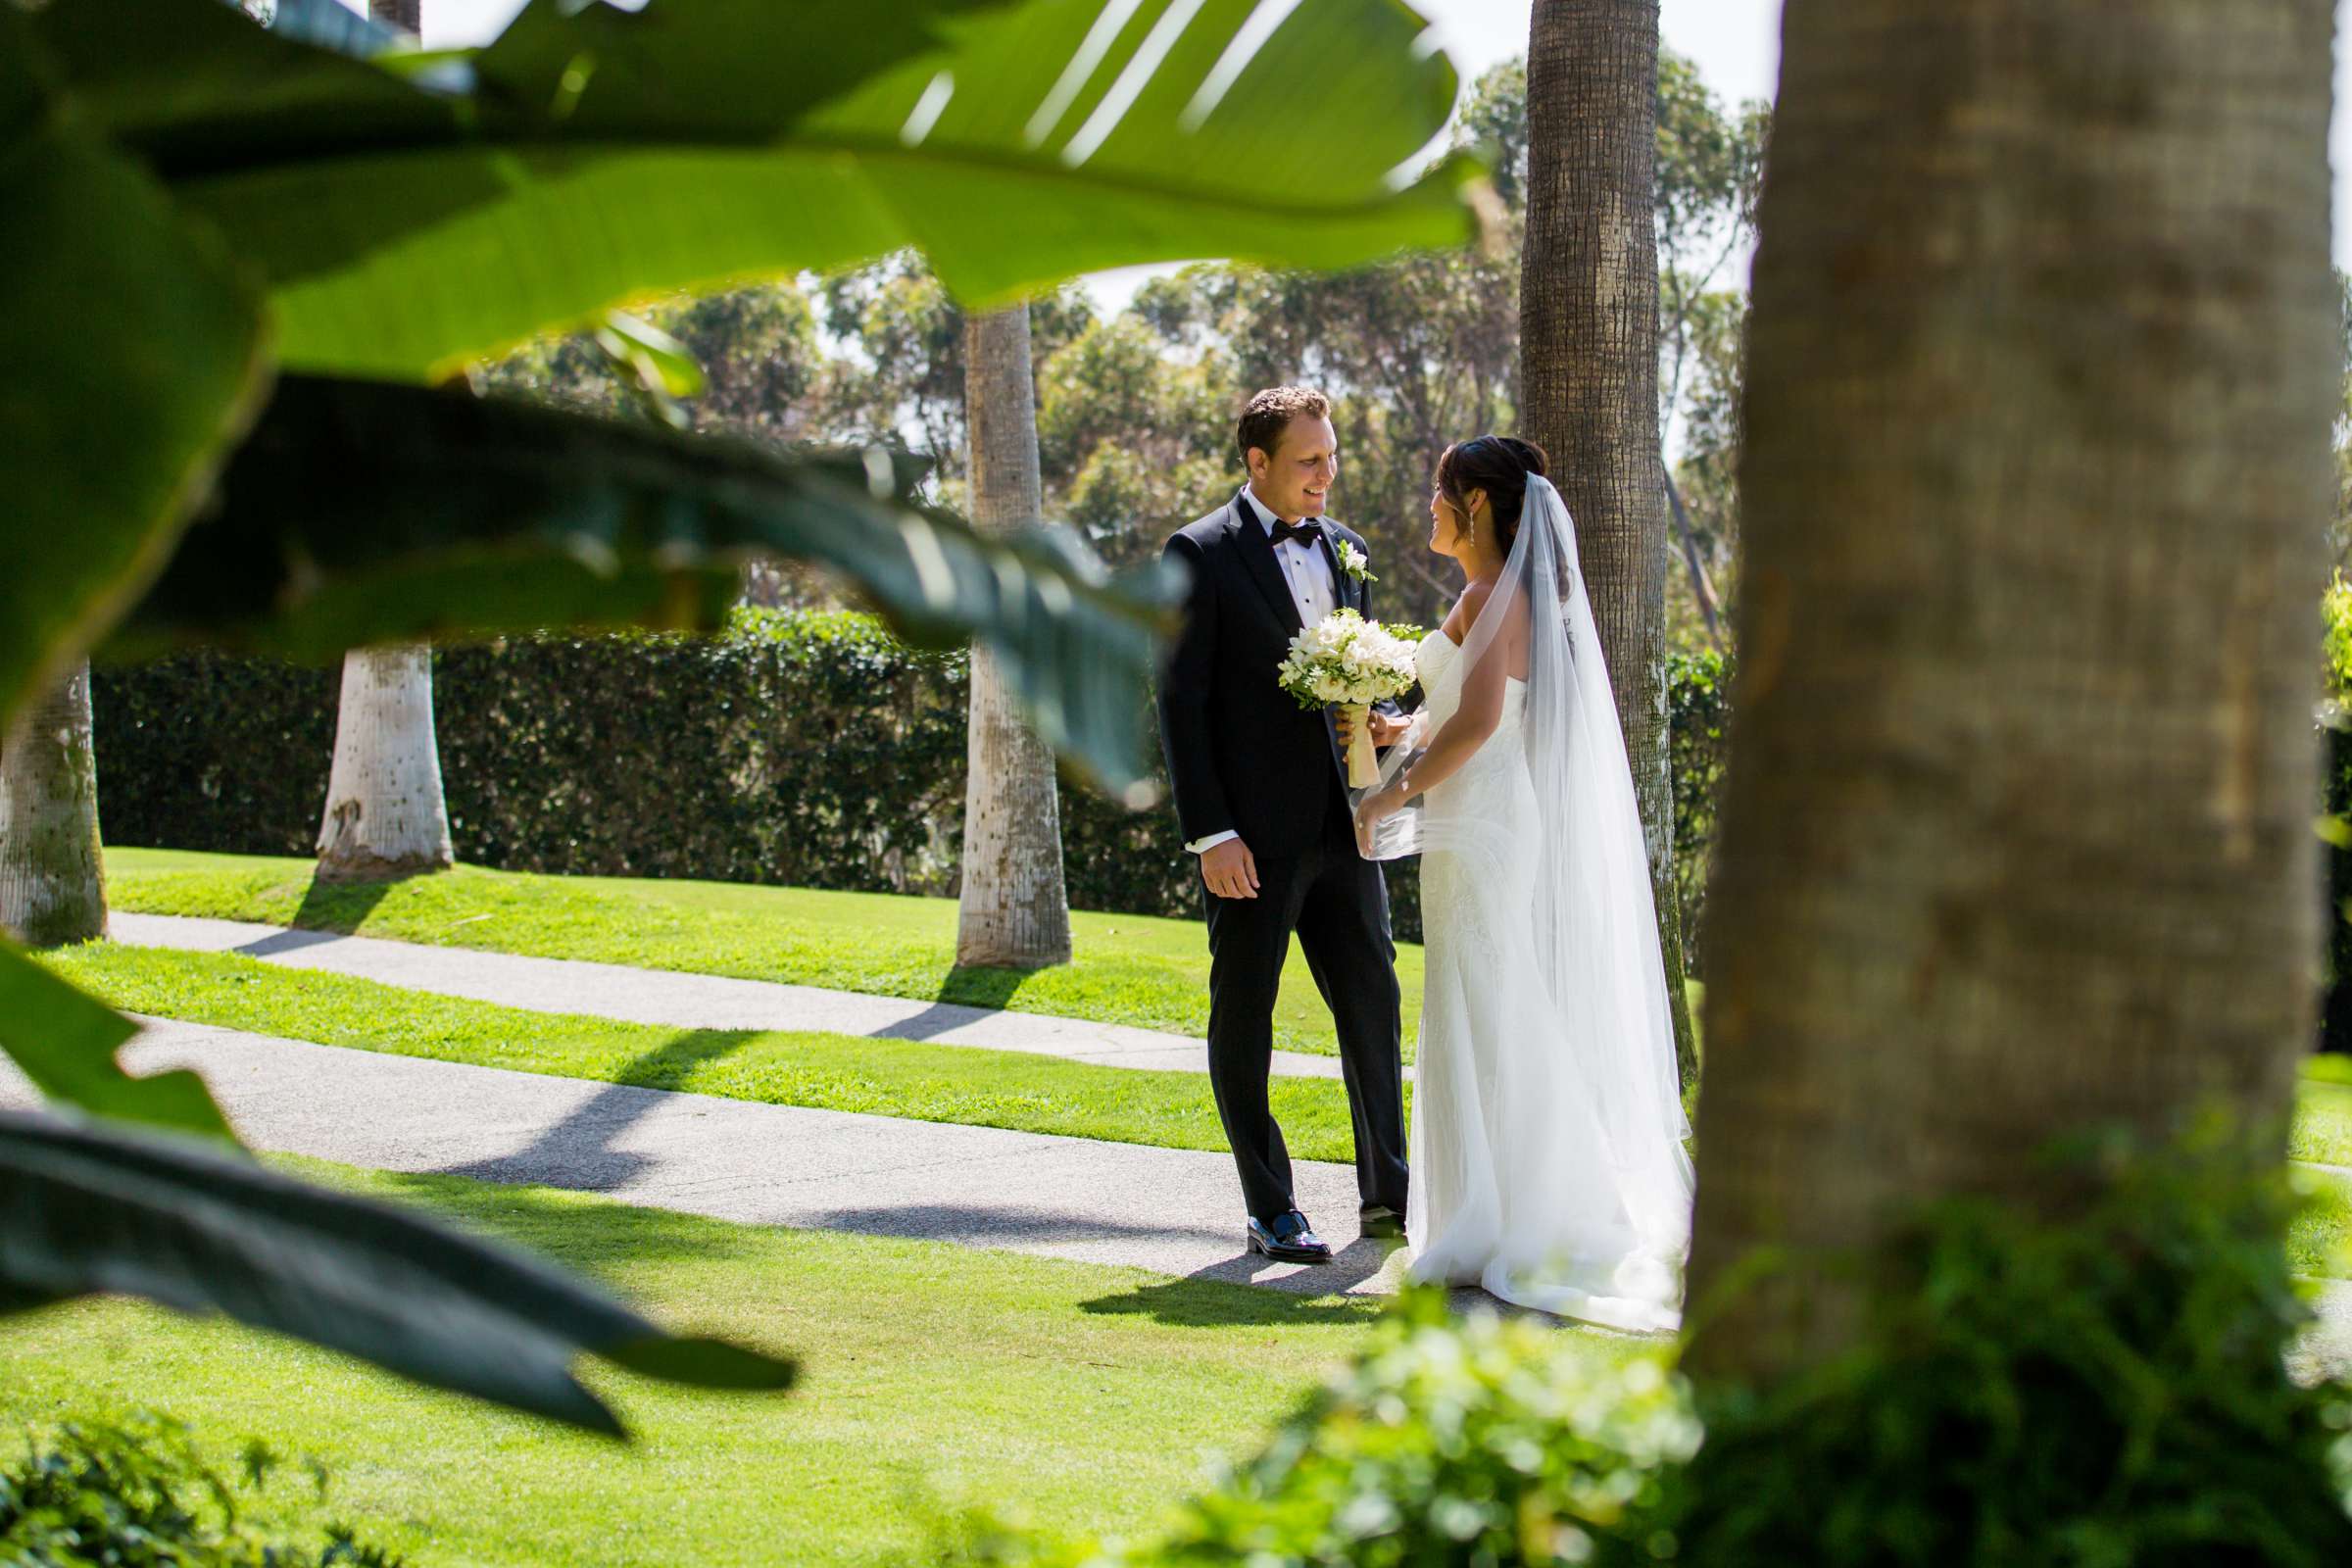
(135, 1494)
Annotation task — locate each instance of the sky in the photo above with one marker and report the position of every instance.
(1736, 44)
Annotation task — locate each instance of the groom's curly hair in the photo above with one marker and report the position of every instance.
(1271, 412)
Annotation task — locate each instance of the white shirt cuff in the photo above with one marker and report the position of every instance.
(1203, 846)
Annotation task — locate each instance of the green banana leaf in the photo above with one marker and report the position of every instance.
(86, 1208)
(135, 353)
(408, 220)
(362, 512)
(65, 1042)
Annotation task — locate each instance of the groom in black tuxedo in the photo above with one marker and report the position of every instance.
(1262, 796)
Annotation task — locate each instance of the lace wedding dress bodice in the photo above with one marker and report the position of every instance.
(1515, 1184)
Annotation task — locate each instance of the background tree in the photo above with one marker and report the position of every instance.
(1589, 372)
(903, 376)
(386, 815)
(756, 348)
(52, 876)
(2017, 839)
(1013, 910)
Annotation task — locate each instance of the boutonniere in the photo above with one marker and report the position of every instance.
(1356, 564)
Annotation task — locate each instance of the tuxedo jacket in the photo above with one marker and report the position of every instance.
(1243, 757)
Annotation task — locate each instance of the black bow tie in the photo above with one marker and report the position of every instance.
(1304, 532)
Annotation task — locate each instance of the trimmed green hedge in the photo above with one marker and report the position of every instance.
(2335, 808)
(800, 749)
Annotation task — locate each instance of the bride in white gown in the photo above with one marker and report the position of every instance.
(1547, 1129)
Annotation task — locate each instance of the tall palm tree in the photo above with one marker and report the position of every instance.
(52, 880)
(2017, 833)
(1588, 372)
(386, 812)
(1015, 910)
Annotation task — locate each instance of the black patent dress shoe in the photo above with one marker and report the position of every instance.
(1380, 1223)
(1287, 1240)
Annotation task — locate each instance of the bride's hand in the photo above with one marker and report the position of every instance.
(1374, 809)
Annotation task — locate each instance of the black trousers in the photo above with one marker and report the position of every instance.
(1338, 904)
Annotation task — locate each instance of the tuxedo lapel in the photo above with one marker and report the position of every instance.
(1258, 556)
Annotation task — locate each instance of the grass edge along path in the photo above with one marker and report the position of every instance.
(966, 1085)
(1130, 969)
(1085, 1396)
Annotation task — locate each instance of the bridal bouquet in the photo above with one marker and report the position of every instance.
(1347, 662)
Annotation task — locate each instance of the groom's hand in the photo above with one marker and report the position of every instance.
(1230, 870)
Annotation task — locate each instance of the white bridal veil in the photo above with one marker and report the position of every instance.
(1604, 1039)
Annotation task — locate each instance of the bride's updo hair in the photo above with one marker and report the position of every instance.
(1499, 464)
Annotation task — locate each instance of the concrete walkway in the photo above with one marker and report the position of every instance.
(1172, 1212)
(685, 1000)
(1169, 1211)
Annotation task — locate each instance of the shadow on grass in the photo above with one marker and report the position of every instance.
(1229, 1294)
(578, 1152)
(601, 1238)
(340, 906)
(974, 987)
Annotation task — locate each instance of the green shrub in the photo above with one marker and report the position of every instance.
(1698, 695)
(2335, 638)
(2109, 1390)
(1483, 1440)
(1490, 1440)
(137, 1494)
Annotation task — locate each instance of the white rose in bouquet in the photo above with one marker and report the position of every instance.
(1344, 660)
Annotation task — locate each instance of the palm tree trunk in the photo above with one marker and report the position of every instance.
(386, 815)
(1589, 373)
(1014, 912)
(2017, 837)
(52, 878)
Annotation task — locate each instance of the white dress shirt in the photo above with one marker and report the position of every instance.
(1306, 568)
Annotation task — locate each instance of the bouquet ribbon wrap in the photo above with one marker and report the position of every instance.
(1363, 764)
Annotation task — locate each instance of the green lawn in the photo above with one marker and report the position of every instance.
(2324, 1122)
(1087, 1397)
(2320, 1241)
(1130, 969)
(833, 1072)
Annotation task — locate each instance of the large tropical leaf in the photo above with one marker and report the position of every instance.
(86, 1209)
(133, 353)
(65, 1042)
(372, 512)
(585, 159)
